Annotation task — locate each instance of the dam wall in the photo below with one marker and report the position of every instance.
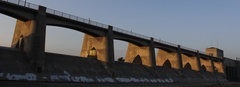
(15, 66)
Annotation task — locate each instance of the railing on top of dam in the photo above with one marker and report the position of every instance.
(23, 3)
(88, 21)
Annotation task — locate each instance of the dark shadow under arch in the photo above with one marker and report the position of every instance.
(167, 63)
(203, 68)
(188, 66)
(137, 60)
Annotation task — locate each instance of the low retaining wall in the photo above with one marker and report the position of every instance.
(64, 68)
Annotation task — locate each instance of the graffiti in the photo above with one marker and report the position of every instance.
(107, 79)
(82, 79)
(27, 76)
(68, 77)
(126, 80)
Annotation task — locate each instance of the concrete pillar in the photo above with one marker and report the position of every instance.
(212, 65)
(152, 54)
(33, 34)
(103, 45)
(179, 58)
(198, 62)
(146, 53)
(110, 48)
(165, 56)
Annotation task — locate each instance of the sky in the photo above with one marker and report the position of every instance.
(197, 24)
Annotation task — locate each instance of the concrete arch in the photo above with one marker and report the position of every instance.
(133, 51)
(99, 43)
(203, 68)
(95, 31)
(207, 64)
(167, 63)
(137, 60)
(131, 39)
(163, 56)
(63, 41)
(192, 60)
(188, 66)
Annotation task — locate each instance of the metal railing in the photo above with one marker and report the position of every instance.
(88, 21)
(131, 33)
(76, 18)
(165, 42)
(23, 3)
(190, 49)
(201, 52)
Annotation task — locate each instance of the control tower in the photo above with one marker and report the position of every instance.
(215, 52)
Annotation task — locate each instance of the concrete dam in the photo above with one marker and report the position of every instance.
(27, 60)
(63, 68)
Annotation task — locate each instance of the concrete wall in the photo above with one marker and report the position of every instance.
(64, 68)
(26, 29)
(219, 67)
(143, 51)
(99, 43)
(215, 52)
(192, 60)
(163, 56)
(207, 64)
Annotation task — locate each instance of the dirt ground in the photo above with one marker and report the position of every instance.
(51, 84)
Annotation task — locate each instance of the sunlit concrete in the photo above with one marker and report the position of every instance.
(33, 33)
(219, 67)
(99, 43)
(163, 56)
(192, 60)
(143, 51)
(207, 64)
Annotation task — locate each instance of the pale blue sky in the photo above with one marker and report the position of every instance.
(192, 23)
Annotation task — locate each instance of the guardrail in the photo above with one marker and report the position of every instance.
(165, 42)
(201, 52)
(88, 21)
(76, 18)
(131, 33)
(187, 48)
(23, 3)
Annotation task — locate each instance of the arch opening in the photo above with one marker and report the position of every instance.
(7, 27)
(120, 48)
(203, 68)
(188, 66)
(137, 60)
(167, 63)
(63, 41)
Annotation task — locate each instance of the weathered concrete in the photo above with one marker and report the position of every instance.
(179, 58)
(207, 64)
(110, 48)
(21, 13)
(198, 61)
(30, 34)
(99, 43)
(163, 57)
(219, 67)
(192, 60)
(64, 68)
(135, 51)
(215, 52)
(33, 34)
